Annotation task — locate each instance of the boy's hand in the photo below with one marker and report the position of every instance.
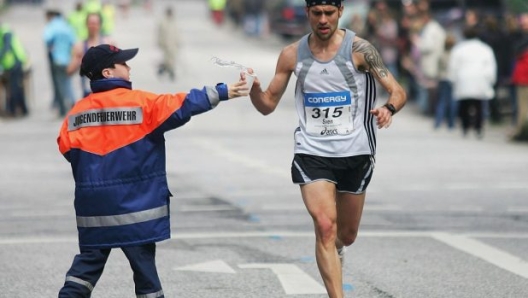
(237, 89)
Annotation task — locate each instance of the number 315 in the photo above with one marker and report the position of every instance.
(317, 112)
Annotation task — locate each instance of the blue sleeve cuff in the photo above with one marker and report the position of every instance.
(222, 91)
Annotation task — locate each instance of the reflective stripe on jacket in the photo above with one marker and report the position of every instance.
(115, 144)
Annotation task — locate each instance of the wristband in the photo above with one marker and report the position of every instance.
(223, 94)
(391, 108)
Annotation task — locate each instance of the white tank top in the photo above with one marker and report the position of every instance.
(333, 100)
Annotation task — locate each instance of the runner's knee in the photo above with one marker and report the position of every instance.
(325, 228)
(348, 236)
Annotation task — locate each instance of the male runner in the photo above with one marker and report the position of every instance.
(335, 142)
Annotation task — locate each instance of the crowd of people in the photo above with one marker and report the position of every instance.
(67, 35)
(67, 38)
(250, 15)
(469, 68)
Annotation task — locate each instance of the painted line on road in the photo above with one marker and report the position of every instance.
(485, 252)
(520, 209)
(217, 266)
(294, 281)
(497, 235)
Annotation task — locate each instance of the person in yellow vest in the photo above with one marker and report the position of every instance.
(108, 15)
(77, 20)
(12, 60)
(217, 9)
(92, 6)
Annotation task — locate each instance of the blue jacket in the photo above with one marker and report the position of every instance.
(114, 140)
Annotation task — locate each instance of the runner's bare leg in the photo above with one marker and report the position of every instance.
(320, 200)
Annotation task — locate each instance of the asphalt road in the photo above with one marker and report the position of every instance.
(445, 216)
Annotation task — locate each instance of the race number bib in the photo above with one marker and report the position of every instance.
(328, 114)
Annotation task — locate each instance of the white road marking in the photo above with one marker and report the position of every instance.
(294, 281)
(486, 252)
(217, 266)
(462, 242)
(519, 209)
(497, 235)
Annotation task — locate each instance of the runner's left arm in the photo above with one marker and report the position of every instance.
(368, 59)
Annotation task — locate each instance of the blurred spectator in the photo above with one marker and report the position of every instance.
(430, 43)
(446, 105)
(93, 23)
(412, 63)
(12, 61)
(423, 6)
(254, 17)
(168, 43)
(235, 9)
(492, 35)
(374, 17)
(520, 79)
(472, 19)
(77, 20)
(147, 5)
(472, 70)
(511, 36)
(108, 17)
(60, 39)
(357, 24)
(217, 10)
(385, 38)
(124, 6)
(92, 6)
(407, 27)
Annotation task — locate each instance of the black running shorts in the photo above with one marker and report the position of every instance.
(350, 174)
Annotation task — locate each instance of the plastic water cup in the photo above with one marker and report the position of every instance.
(250, 78)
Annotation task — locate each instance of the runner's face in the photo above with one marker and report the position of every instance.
(324, 19)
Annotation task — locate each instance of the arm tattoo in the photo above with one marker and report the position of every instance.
(372, 57)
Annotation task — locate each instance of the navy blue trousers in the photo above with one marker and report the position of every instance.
(88, 266)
